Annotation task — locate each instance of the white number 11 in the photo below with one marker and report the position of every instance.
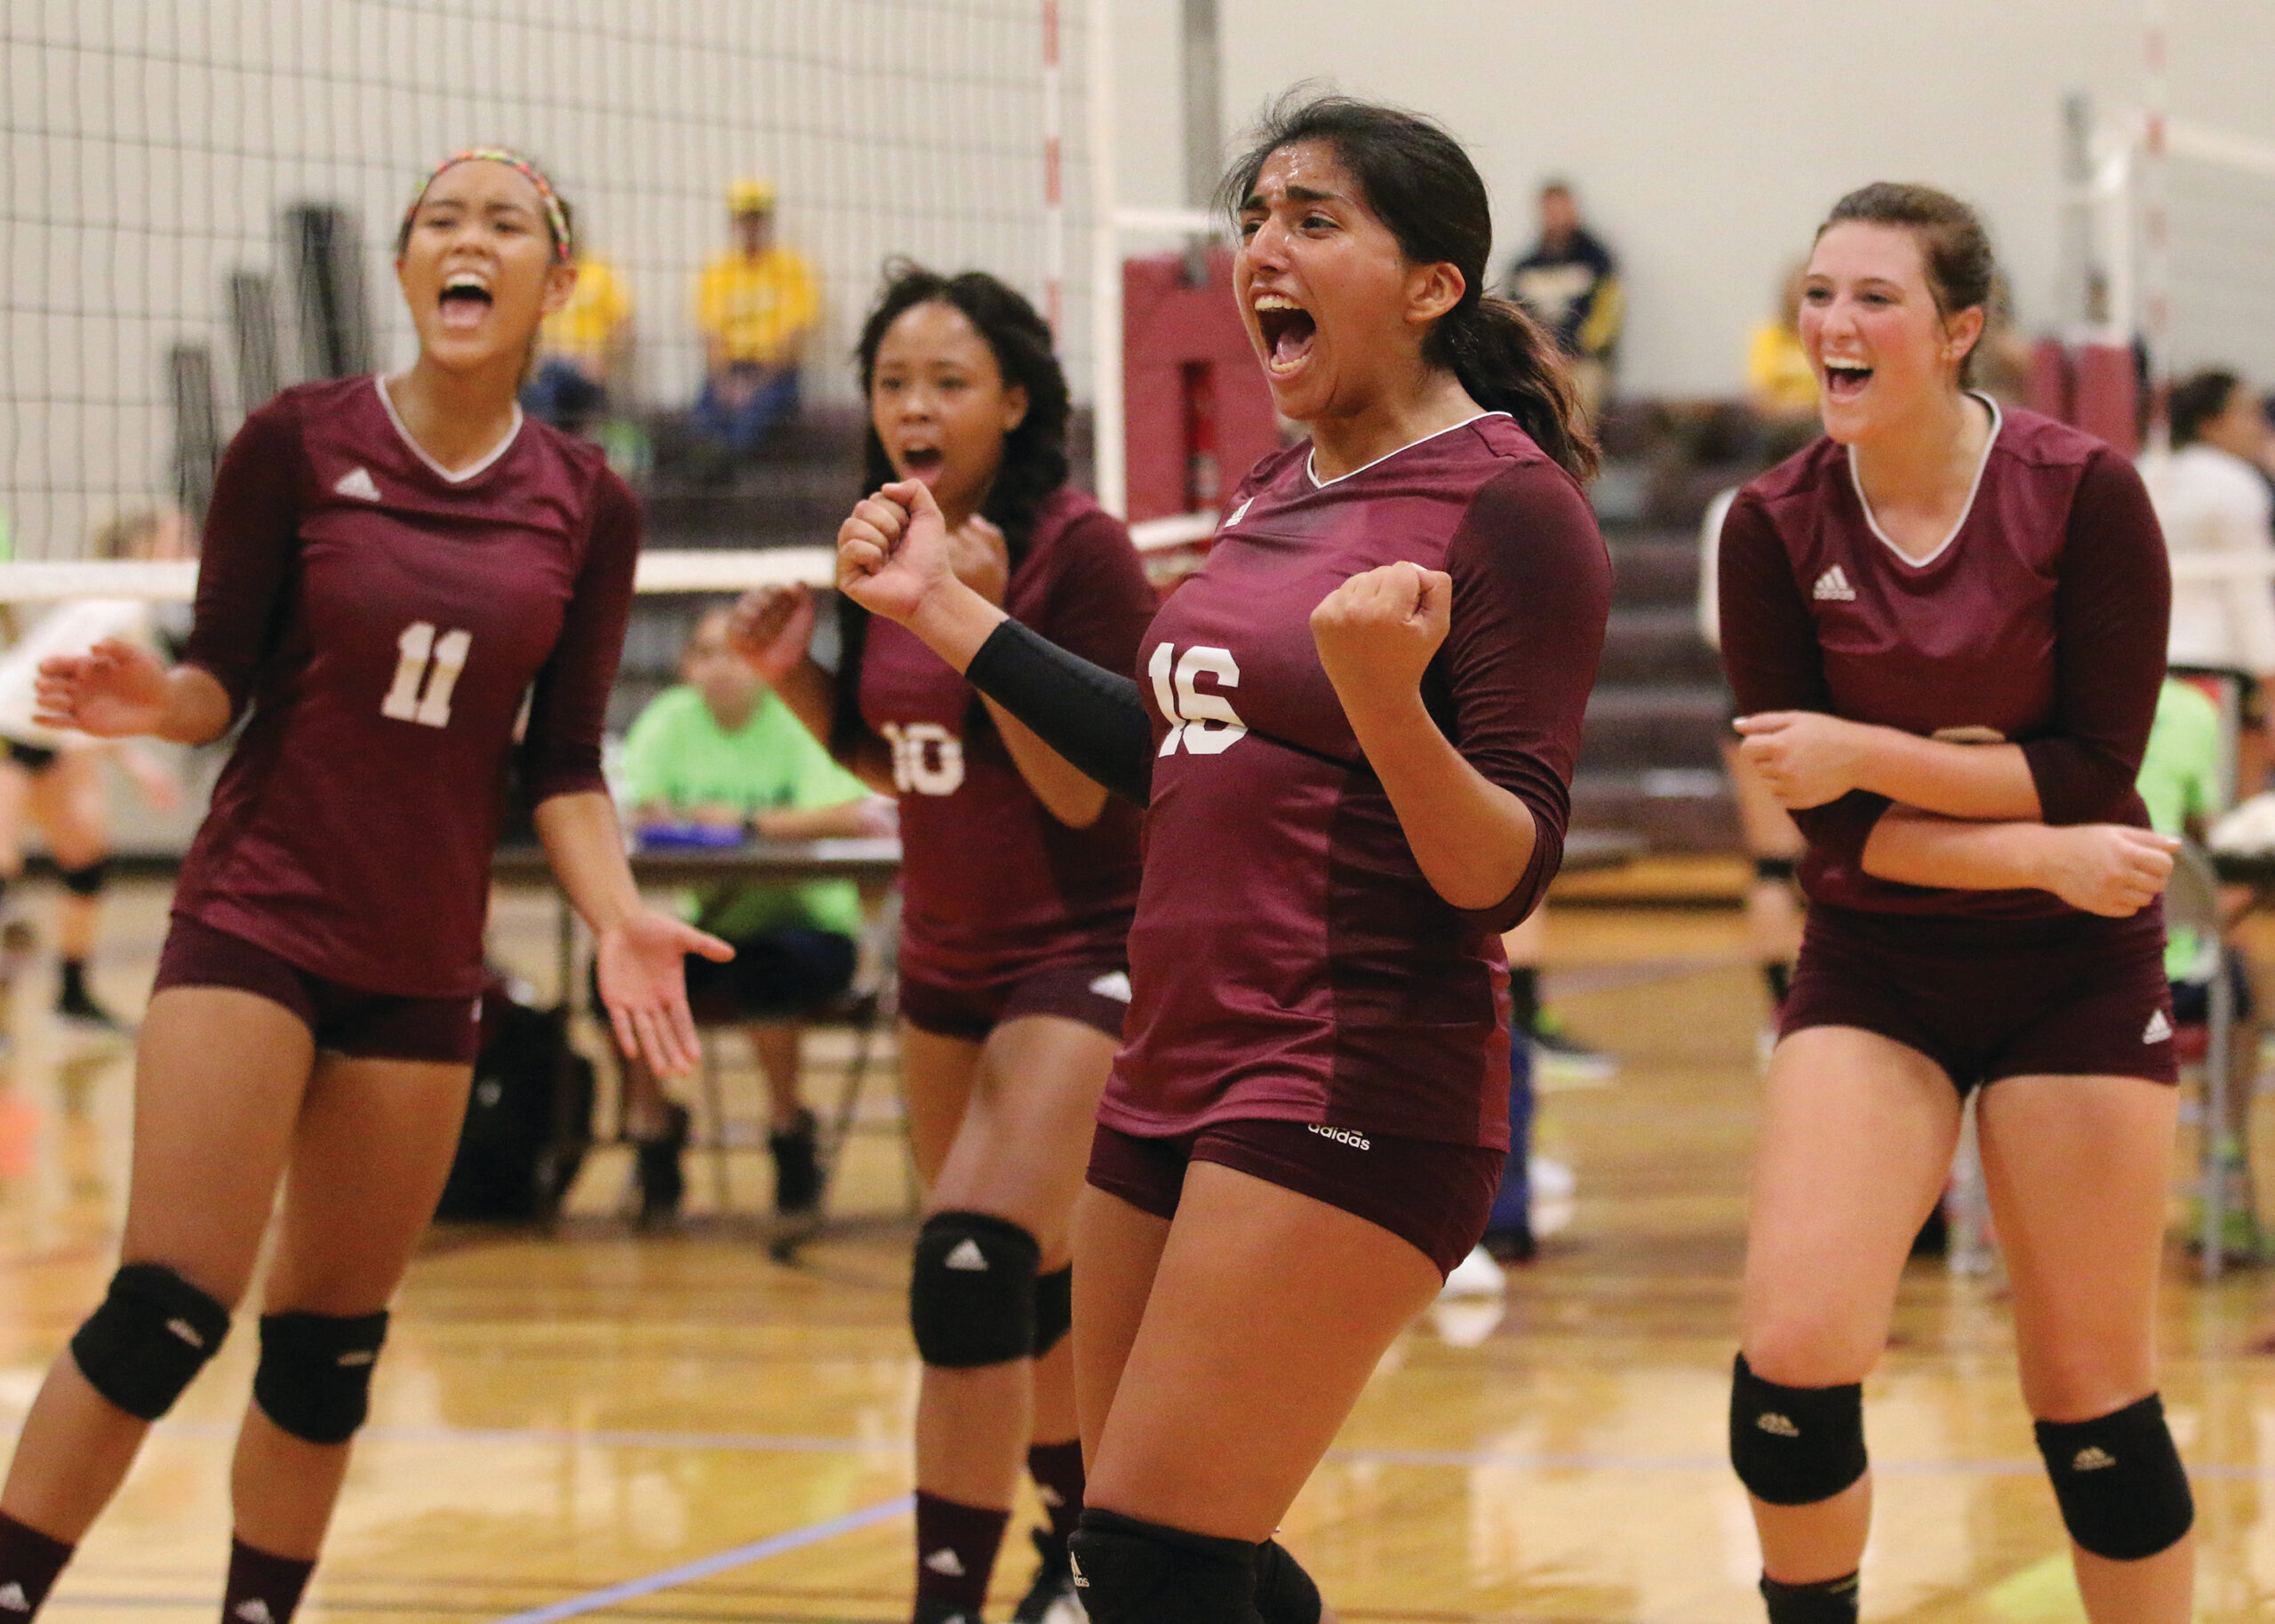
(423, 651)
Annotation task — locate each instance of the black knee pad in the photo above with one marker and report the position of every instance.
(1134, 1572)
(314, 1376)
(972, 1294)
(1775, 868)
(1795, 1446)
(86, 881)
(2122, 1489)
(152, 1334)
(1284, 1593)
(1054, 1308)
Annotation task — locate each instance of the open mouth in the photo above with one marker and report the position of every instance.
(465, 299)
(923, 462)
(1845, 381)
(1288, 330)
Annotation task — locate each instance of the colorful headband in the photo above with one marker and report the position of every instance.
(556, 215)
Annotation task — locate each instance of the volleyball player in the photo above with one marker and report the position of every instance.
(55, 780)
(1354, 730)
(1944, 624)
(391, 564)
(1018, 879)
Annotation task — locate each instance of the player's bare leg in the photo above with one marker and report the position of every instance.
(2075, 1167)
(1857, 1133)
(67, 803)
(219, 1075)
(1204, 1432)
(371, 1152)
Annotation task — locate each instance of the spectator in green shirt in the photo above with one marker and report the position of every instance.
(721, 753)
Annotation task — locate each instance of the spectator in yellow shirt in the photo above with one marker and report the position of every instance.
(583, 349)
(1780, 385)
(755, 307)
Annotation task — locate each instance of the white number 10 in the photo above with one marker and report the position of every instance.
(424, 653)
(1205, 723)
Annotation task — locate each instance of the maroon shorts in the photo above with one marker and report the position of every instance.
(1096, 992)
(2075, 995)
(1435, 1197)
(344, 1020)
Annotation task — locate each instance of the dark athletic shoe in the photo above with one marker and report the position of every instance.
(656, 1169)
(1052, 1598)
(797, 1167)
(87, 1015)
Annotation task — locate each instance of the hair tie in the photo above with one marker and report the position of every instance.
(557, 216)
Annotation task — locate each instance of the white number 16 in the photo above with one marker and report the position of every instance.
(1204, 722)
(423, 653)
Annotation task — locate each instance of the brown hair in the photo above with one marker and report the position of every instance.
(1417, 181)
(126, 536)
(1961, 270)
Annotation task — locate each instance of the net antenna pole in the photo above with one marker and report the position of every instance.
(1054, 171)
(2156, 230)
(1108, 424)
(1204, 127)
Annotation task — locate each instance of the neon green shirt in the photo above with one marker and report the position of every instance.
(2180, 783)
(678, 755)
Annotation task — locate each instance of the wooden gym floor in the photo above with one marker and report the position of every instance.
(592, 1423)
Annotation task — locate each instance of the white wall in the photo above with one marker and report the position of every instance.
(1708, 139)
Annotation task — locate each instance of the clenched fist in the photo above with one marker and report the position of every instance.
(1377, 632)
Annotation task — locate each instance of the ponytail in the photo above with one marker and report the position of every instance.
(1508, 361)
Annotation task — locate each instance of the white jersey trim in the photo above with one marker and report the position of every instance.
(480, 466)
(1998, 421)
(1310, 458)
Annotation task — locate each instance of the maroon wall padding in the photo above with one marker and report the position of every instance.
(1193, 387)
(2050, 380)
(2106, 402)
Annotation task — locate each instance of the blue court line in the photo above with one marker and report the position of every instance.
(703, 1567)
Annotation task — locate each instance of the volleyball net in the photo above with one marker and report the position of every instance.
(203, 194)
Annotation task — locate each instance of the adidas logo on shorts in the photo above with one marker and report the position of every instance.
(2092, 1458)
(1343, 1135)
(971, 1260)
(1114, 984)
(2158, 1030)
(1777, 1425)
(1833, 587)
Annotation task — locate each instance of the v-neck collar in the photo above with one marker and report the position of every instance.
(1989, 443)
(488, 461)
(1310, 458)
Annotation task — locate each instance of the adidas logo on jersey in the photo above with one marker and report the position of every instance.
(253, 1610)
(967, 1257)
(357, 482)
(1833, 587)
(1114, 984)
(2092, 1458)
(2158, 1030)
(1236, 516)
(946, 1562)
(1777, 1425)
(13, 1598)
(1343, 1135)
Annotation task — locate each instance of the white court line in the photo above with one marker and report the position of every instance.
(703, 1567)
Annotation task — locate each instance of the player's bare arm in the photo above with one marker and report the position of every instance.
(118, 689)
(2109, 869)
(1375, 634)
(1810, 759)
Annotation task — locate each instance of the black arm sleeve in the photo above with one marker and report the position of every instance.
(1093, 717)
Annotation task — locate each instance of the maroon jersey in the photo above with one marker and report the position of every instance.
(992, 885)
(2040, 621)
(1290, 962)
(384, 621)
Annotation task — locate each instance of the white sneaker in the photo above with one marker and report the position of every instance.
(1549, 1179)
(1476, 1276)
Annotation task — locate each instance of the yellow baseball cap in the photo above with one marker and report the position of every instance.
(751, 195)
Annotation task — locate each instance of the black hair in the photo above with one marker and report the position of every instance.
(1415, 177)
(1962, 272)
(2196, 400)
(1034, 465)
